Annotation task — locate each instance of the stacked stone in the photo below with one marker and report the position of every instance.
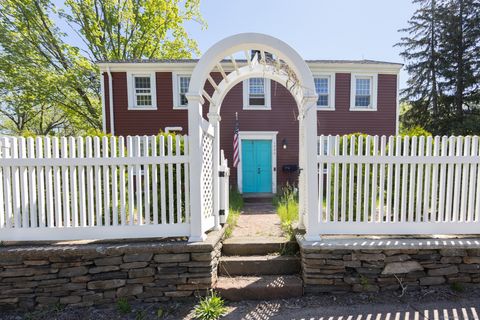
(373, 270)
(84, 275)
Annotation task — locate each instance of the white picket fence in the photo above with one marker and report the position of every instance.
(94, 188)
(398, 185)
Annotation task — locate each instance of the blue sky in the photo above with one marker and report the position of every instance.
(317, 29)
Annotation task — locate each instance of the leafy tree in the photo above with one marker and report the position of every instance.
(48, 85)
(135, 29)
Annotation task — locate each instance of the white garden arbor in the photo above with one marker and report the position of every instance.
(274, 60)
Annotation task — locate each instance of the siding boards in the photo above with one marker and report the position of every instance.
(343, 121)
(281, 118)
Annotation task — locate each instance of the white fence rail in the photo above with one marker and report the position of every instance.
(398, 185)
(94, 188)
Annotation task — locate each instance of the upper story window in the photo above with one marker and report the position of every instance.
(141, 91)
(364, 92)
(181, 82)
(325, 88)
(256, 94)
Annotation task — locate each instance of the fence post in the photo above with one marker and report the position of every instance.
(195, 151)
(214, 119)
(310, 170)
(224, 188)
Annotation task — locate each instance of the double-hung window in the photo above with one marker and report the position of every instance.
(141, 91)
(364, 92)
(256, 94)
(181, 82)
(324, 87)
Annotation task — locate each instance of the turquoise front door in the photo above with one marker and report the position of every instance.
(256, 166)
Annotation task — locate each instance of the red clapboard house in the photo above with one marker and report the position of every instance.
(148, 96)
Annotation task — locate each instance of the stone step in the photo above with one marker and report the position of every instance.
(259, 288)
(258, 265)
(249, 246)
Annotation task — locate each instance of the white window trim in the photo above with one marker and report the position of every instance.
(246, 94)
(258, 135)
(331, 90)
(373, 99)
(176, 90)
(131, 90)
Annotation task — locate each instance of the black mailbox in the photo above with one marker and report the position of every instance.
(290, 168)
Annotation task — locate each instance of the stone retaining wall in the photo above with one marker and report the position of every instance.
(362, 265)
(87, 274)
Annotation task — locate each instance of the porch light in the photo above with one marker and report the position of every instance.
(284, 143)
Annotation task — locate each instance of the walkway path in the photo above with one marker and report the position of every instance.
(258, 220)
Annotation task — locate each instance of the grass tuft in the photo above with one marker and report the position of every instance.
(236, 206)
(211, 307)
(287, 209)
(123, 306)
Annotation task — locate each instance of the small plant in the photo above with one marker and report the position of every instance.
(287, 209)
(211, 307)
(123, 306)
(457, 287)
(141, 315)
(236, 205)
(58, 307)
(363, 281)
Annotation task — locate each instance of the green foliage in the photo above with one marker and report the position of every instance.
(141, 315)
(236, 206)
(414, 131)
(120, 30)
(49, 86)
(211, 307)
(441, 45)
(123, 306)
(364, 281)
(457, 287)
(287, 209)
(235, 200)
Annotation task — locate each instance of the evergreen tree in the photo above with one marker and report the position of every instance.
(441, 49)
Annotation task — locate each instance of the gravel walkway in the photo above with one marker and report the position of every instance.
(258, 220)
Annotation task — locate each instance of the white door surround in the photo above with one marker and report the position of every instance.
(258, 135)
(274, 60)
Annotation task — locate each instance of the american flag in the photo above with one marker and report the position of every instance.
(236, 158)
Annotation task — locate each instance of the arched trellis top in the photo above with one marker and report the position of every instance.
(298, 79)
(276, 60)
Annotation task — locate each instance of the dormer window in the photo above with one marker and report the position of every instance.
(256, 94)
(181, 82)
(141, 91)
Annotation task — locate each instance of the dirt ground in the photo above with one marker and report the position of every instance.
(438, 303)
